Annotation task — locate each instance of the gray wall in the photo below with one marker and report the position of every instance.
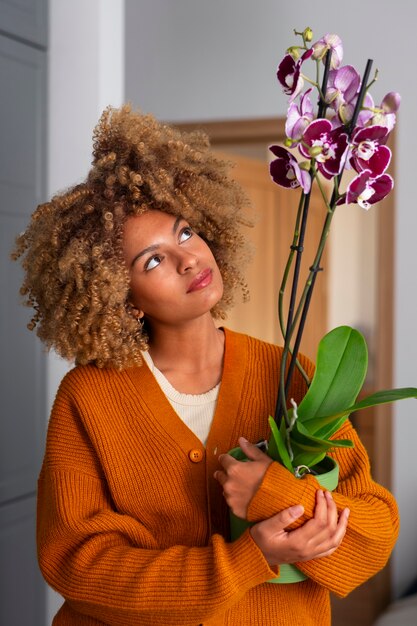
(23, 87)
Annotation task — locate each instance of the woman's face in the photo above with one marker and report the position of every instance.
(174, 277)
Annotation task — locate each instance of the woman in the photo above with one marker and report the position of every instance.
(127, 272)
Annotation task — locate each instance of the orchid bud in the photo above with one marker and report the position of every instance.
(331, 96)
(315, 151)
(391, 102)
(345, 113)
(288, 142)
(319, 50)
(294, 51)
(307, 34)
(304, 165)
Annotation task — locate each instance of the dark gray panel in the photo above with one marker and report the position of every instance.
(25, 19)
(22, 371)
(23, 92)
(22, 120)
(22, 587)
(22, 363)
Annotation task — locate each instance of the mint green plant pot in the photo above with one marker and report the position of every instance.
(327, 476)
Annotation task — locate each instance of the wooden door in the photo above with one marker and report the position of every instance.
(250, 138)
(271, 236)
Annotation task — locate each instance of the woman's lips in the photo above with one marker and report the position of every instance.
(202, 279)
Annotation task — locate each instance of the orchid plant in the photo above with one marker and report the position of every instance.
(341, 129)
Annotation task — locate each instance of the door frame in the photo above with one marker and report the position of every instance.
(377, 429)
(247, 132)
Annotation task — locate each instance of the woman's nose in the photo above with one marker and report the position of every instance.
(186, 261)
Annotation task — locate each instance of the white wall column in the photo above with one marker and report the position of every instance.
(86, 74)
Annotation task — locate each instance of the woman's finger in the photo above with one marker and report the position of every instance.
(332, 513)
(227, 461)
(220, 476)
(315, 529)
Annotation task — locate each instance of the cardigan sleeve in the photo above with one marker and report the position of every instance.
(108, 565)
(373, 524)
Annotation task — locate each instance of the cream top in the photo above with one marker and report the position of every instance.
(195, 410)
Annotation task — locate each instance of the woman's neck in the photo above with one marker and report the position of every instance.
(190, 357)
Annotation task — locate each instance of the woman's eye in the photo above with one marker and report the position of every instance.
(154, 261)
(185, 234)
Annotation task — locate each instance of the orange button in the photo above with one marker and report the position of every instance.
(196, 455)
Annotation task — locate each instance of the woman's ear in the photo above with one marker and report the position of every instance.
(138, 313)
(135, 312)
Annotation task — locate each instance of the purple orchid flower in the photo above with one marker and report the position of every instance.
(366, 114)
(286, 172)
(366, 190)
(329, 42)
(368, 151)
(289, 74)
(299, 117)
(328, 146)
(342, 91)
(385, 114)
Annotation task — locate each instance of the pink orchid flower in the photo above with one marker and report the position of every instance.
(286, 172)
(289, 74)
(328, 146)
(385, 114)
(368, 151)
(366, 190)
(342, 90)
(299, 117)
(329, 42)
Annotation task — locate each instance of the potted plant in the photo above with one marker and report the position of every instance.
(345, 130)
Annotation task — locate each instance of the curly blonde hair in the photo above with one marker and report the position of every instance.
(75, 275)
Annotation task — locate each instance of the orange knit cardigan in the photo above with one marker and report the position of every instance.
(133, 528)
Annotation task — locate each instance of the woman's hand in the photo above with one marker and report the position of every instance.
(241, 479)
(318, 537)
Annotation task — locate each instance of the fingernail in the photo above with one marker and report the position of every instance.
(347, 513)
(243, 440)
(297, 510)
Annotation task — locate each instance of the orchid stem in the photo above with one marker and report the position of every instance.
(310, 81)
(321, 112)
(281, 407)
(361, 97)
(323, 193)
(288, 266)
(305, 300)
(299, 249)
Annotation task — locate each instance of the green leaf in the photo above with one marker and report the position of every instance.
(302, 438)
(276, 446)
(380, 397)
(305, 454)
(310, 449)
(342, 361)
(309, 458)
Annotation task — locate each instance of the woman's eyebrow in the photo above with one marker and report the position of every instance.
(155, 246)
(176, 223)
(151, 248)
